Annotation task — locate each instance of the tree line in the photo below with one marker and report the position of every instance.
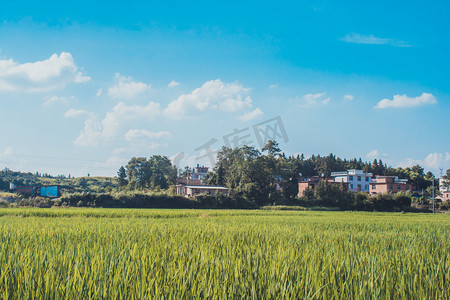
(271, 177)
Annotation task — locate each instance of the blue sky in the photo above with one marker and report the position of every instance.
(84, 87)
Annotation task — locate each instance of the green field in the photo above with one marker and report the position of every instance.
(179, 254)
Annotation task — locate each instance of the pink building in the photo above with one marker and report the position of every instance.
(311, 182)
(389, 184)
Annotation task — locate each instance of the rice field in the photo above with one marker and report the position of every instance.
(222, 254)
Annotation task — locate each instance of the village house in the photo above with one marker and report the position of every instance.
(389, 184)
(194, 185)
(311, 182)
(194, 190)
(445, 191)
(357, 180)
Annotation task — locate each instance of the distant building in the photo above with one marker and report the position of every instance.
(445, 196)
(193, 190)
(311, 182)
(445, 191)
(199, 173)
(357, 180)
(51, 191)
(25, 190)
(389, 184)
(442, 187)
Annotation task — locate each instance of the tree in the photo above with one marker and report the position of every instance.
(272, 148)
(122, 177)
(157, 172)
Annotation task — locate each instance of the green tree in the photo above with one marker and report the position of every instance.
(122, 177)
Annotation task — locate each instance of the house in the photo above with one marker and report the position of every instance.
(194, 178)
(311, 182)
(445, 196)
(445, 191)
(389, 184)
(25, 190)
(199, 173)
(357, 180)
(51, 191)
(193, 190)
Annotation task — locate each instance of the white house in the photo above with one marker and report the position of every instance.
(192, 190)
(357, 180)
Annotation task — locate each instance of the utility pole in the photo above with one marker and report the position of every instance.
(433, 195)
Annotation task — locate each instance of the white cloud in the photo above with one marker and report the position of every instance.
(139, 134)
(7, 152)
(374, 154)
(357, 38)
(49, 100)
(45, 75)
(126, 88)
(236, 104)
(173, 83)
(273, 86)
(405, 101)
(432, 161)
(71, 113)
(212, 95)
(314, 99)
(99, 92)
(96, 132)
(255, 114)
(348, 97)
(436, 160)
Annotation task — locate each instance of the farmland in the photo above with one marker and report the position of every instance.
(120, 253)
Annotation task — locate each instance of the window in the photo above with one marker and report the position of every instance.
(366, 187)
(390, 187)
(407, 187)
(350, 178)
(399, 187)
(374, 186)
(350, 186)
(367, 178)
(359, 178)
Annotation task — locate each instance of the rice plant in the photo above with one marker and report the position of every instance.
(182, 254)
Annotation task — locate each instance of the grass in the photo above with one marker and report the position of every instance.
(178, 254)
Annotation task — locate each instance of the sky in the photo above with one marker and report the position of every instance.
(84, 86)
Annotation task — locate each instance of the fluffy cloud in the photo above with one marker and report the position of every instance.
(173, 83)
(432, 161)
(49, 100)
(374, 154)
(126, 88)
(371, 39)
(348, 97)
(214, 95)
(236, 104)
(73, 113)
(7, 152)
(436, 160)
(138, 134)
(95, 131)
(405, 101)
(255, 114)
(314, 99)
(45, 75)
